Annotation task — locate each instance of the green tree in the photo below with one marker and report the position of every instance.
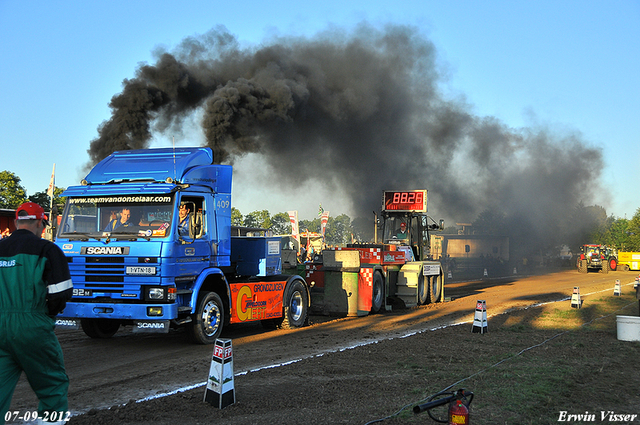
(42, 199)
(633, 232)
(281, 224)
(259, 219)
(613, 233)
(338, 230)
(363, 229)
(12, 194)
(586, 224)
(618, 234)
(310, 225)
(490, 223)
(236, 217)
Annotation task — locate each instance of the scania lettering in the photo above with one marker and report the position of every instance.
(105, 250)
(133, 264)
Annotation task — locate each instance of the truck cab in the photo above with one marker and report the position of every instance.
(148, 240)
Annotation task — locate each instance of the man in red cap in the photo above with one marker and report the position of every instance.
(402, 232)
(35, 286)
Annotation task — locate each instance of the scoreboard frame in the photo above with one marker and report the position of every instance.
(404, 201)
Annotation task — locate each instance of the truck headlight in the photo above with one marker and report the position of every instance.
(155, 294)
(160, 294)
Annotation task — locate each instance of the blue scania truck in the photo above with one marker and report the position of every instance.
(134, 260)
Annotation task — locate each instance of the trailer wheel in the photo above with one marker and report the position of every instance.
(100, 328)
(377, 298)
(436, 285)
(296, 305)
(208, 321)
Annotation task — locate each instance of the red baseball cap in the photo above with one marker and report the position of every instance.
(34, 212)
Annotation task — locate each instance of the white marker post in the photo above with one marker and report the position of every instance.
(617, 290)
(480, 324)
(220, 390)
(576, 301)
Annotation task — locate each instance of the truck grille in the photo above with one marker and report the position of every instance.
(107, 276)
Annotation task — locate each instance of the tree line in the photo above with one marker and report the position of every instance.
(582, 225)
(339, 230)
(13, 194)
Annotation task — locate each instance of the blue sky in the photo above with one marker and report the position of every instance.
(567, 65)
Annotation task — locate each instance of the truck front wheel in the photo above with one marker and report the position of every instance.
(296, 305)
(208, 321)
(100, 328)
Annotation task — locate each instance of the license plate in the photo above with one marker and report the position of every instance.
(136, 270)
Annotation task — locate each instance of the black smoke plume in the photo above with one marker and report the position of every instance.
(360, 110)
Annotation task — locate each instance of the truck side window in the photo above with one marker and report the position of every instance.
(191, 222)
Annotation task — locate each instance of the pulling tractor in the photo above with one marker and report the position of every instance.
(396, 271)
(598, 258)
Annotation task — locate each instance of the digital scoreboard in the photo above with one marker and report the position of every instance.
(404, 201)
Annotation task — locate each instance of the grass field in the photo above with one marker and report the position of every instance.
(549, 364)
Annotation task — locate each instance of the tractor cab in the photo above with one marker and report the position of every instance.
(405, 222)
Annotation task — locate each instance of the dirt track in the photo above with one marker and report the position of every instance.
(127, 367)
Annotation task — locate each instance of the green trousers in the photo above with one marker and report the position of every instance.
(28, 343)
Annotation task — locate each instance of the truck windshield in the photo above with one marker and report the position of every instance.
(144, 216)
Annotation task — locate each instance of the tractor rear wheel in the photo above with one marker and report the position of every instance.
(582, 266)
(613, 264)
(436, 288)
(377, 296)
(424, 286)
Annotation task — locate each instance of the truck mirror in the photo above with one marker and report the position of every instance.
(441, 224)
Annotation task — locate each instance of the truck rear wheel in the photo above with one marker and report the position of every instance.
(377, 297)
(100, 328)
(208, 321)
(296, 305)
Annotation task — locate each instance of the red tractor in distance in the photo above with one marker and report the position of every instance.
(596, 257)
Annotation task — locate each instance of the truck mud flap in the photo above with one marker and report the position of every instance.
(66, 323)
(155, 326)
